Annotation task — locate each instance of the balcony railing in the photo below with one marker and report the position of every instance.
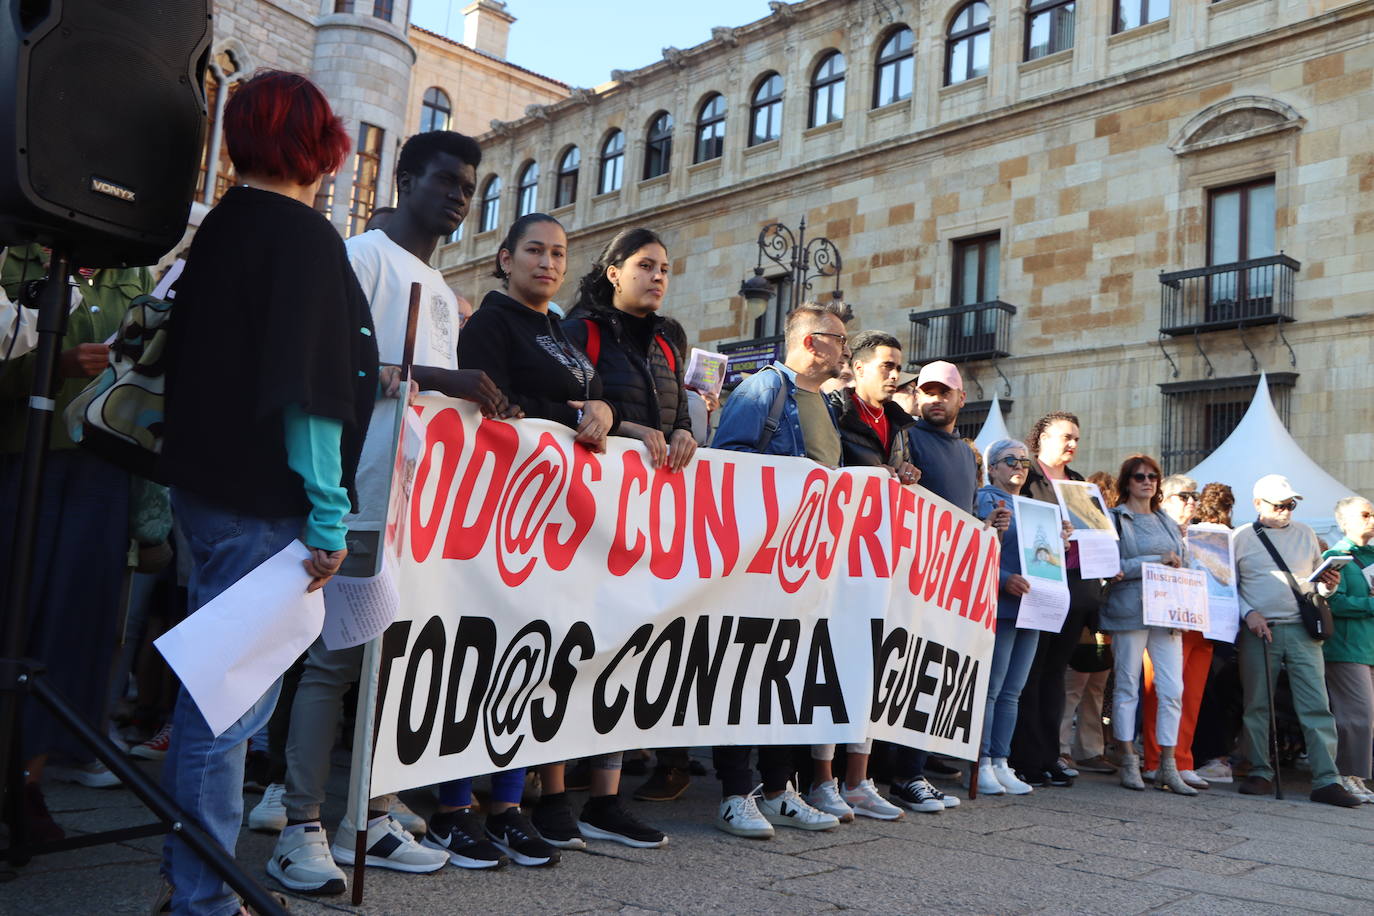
(1258, 291)
(962, 333)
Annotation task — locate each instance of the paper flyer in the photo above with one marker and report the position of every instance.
(1041, 552)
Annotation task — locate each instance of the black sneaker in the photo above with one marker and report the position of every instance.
(1056, 776)
(917, 795)
(606, 819)
(513, 834)
(1032, 778)
(554, 821)
(459, 834)
(664, 785)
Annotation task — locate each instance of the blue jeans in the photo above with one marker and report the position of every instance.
(202, 773)
(1012, 654)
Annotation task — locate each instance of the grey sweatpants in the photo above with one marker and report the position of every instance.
(1351, 687)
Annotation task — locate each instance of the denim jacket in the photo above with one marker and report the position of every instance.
(746, 411)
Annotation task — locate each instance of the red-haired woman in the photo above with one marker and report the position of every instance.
(1148, 535)
(271, 378)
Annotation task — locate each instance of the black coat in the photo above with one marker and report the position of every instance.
(860, 442)
(642, 386)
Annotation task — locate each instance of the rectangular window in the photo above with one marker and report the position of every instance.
(977, 268)
(1199, 416)
(367, 169)
(382, 9)
(1132, 14)
(1240, 227)
(1049, 28)
(324, 198)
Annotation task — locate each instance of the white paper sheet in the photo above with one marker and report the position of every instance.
(1174, 598)
(1098, 555)
(1040, 544)
(1211, 549)
(356, 610)
(231, 650)
(706, 371)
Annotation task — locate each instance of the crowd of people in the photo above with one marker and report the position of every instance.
(286, 347)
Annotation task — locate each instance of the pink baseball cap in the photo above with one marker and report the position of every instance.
(945, 373)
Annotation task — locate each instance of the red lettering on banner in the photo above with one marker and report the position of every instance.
(716, 515)
(624, 556)
(763, 560)
(533, 492)
(866, 526)
(989, 578)
(500, 441)
(840, 491)
(581, 510)
(665, 560)
(937, 552)
(954, 541)
(799, 543)
(446, 428)
(922, 540)
(903, 506)
(962, 593)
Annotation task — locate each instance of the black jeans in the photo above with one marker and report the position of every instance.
(1218, 719)
(736, 776)
(1035, 743)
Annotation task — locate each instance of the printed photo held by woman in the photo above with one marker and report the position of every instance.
(271, 378)
(1148, 535)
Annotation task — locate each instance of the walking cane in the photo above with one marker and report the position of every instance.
(1273, 722)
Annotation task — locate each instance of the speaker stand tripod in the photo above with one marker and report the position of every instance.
(25, 679)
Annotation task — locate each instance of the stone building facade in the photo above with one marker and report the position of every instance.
(1127, 210)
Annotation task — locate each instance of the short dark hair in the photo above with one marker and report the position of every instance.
(804, 318)
(1123, 480)
(280, 125)
(420, 150)
(594, 289)
(515, 234)
(862, 344)
(1044, 423)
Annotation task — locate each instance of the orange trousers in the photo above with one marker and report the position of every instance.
(1197, 662)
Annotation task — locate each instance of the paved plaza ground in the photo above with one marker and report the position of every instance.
(1094, 848)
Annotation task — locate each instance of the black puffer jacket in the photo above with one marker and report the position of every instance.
(642, 386)
(861, 445)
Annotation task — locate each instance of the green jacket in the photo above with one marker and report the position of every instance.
(1352, 607)
(105, 297)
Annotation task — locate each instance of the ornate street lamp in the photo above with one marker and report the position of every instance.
(805, 262)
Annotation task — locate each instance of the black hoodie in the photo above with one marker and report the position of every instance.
(526, 355)
(639, 381)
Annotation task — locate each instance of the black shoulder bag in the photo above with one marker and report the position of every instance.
(1312, 607)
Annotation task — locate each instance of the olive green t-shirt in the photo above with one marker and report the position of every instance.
(818, 429)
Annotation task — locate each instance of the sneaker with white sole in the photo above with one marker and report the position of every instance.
(1356, 787)
(301, 862)
(388, 846)
(1193, 779)
(949, 801)
(826, 797)
(460, 834)
(605, 818)
(412, 822)
(514, 835)
(791, 810)
(1067, 765)
(988, 783)
(155, 748)
(1216, 770)
(918, 795)
(269, 815)
(1008, 778)
(94, 775)
(740, 815)
(864, 799)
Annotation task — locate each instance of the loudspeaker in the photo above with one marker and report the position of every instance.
(102, 120)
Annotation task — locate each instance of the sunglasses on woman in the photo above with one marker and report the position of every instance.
(1142, 476)
(1013, 462)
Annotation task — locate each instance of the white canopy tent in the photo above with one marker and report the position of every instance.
(994, 427)
(1260, 445)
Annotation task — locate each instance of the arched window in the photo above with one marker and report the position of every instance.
(568, 166)
(710, 129)
(435, 110)
(658, 147)
(765, 112)
(892, 82)
(1133, 13)
(966, 49)
(491, 205)
(527, 190)
(612, 163)
(827, 90)
(1049, 27)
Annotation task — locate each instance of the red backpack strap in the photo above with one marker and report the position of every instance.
(667, 349)
(593, 348)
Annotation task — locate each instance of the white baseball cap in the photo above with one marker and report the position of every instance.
(1275, 489)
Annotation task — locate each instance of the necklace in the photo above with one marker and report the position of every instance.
(876, 413)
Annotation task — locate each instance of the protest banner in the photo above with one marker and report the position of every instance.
(1174, 598)
(557, 603)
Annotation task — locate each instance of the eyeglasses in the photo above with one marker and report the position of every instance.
(1014, 462)
(1142, 476)
(1288, 505)
(844, 341)
(1187, 496)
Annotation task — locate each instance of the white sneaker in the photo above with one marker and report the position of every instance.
(918, 795)
(739, 814)
(388, 846)
(301, 862)
(826, 797)
(1007, 777)
(865, 799)
(412, 822)
(94, 775)
(1356, 787)
(269, 815)
(1216, 770)
(1193, 779)
(791, 810)
(949, 801)
(1067, 765)
(988, 783)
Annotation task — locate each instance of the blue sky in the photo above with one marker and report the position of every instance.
(580, 43)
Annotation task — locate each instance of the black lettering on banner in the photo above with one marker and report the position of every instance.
(781, 653)
(475, 635)
(696, 670)
(907, 688)
(606, 715)
(883, 679)
(411, 744)
(962, 720)
(925, 685)
(949, 679)
(394, 642)
(648, 712)
(544, 727)
(822, 691)
(522, 668)
(751, 632)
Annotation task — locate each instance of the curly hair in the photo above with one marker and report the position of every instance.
(1214, 505)
(1044, 423)
(1106, 484)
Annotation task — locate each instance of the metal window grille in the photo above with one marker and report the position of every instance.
(1199, 416)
